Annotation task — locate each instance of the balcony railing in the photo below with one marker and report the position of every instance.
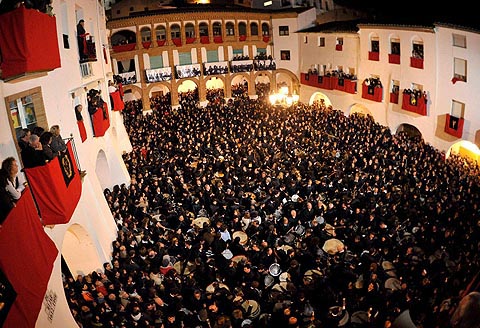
(186, 71)
(158, 74)
(238, 66)
(128, 78)
(215, 68)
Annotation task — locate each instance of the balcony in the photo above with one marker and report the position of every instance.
(264, 64)
(28, 42)
(217, 39)
(317, 81)
(204, 39)
(374, 55)
(394, 97)
(266, 38)
(416, 62)
(372, 92)
(339, 47)
(186, 71)
(215, 68)
(61, 177)
(344, 84)
(239, 66)
(242, 38)
(177, 42)
(124, 47)
(158, 74)
(415, 102)
(454, 125)
(146, 44)
(161, 43)
(393, 59)
(128, 78)
(100, 120)
(189, 40)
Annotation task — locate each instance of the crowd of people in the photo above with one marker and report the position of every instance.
(243, 215)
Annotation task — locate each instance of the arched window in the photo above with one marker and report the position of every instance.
(230, 29)
(146, 34)
(189, 30)
(175, 31)
(161, 32)
(217, 29)
(242, 28)
(203, 27)
(254, 29)
(265, 29)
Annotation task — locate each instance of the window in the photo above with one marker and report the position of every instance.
(175, 31)
(395, 47)
(118, 12)
(217, 29)
(189, 30)
(131, 8)
(395, 87)
(458, 109)
(285, 54)
(340, 41)
(321, 41)
(26, 110)
(230, 29)
(86, 69)
(305, 39)
(460, 69)
(375, 45)
(242, 28)
(203, 29)
(283, 30)
(161, 32)
(266, 29)
(417, 50)
(254, 29)
(145, 33)
(459, 41)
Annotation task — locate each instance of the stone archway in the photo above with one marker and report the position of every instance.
(102, 170)
(79, 252)
(465, 149)
(321, 98)
(409, 129)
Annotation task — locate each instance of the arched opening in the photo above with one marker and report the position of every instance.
(186, 86)
(262, 86)
(467, 150)
(360, 109)
(102, 170)
(254, 29)
(320, 98)
(146, 34)
(159, 91)
(161, 33)
(215, 90)
(189, 31)
(242, 29)
(79, 252)
(230, 29)
(239, 86)
(217, 29)
(409, 130)
(175, 31)
(203, 29)
(123, 37)
(265, 29)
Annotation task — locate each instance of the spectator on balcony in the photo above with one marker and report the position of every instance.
(10, 171)
(33, 155)
(6, 202)
(78, 112)
(82, 40)
(24, 137)
(57, 145)
(46, 141)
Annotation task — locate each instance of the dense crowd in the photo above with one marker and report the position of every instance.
(239, 214)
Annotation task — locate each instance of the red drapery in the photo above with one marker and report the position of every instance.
(118, 103)
(374, 55)
(418, 106)
(177, 42)
(28, 42)
(55, 199)
(100, 122)
(82, 130)
(27, 255)
(190, 40)
(124, 47)
(120, 89)
(204, 39)
(372, 93)
(146, 44)
(454, 125)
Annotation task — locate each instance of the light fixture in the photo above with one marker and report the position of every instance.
(283, 98)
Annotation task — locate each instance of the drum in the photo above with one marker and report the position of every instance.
(215, 286)
(284, 277)
(227, 254)
(289, 238)
(253, 307)
(242, 235)
(201, 221)
(299, 230)
(275, 270)
(332, 246)
(178, 266)
(268, 280)
(239, 258)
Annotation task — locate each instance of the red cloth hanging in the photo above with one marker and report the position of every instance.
(82, 130)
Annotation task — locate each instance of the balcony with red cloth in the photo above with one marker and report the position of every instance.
(124, 47)
(374, 55)
(204, 39)
(28, 43)
(393, 59)
(454, 125)
(315, 80)
(117, 101)
(414, 103)
(242, 38)
(416, 62)
(266, 38)
(100, 121)
(394, 97)
(217, 39)
(177, 42)
(339, 47)
(371, 92)
(344, 84)
(146, 44)
(61, 177)
(161, 43)
(189, 40)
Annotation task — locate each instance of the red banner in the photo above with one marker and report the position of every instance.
(55, 199)
(117, 101)
(100, 121)
(82, 130)
(28, 39)
(27, 255)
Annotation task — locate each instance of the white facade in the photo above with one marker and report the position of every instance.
(84, 242)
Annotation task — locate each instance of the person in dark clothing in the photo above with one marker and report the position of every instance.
(33, 155)
(81, 39)
(6, 201)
